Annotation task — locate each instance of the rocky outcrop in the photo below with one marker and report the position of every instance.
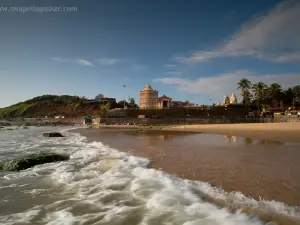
(32, 160)
(53, 134)
(5, 124)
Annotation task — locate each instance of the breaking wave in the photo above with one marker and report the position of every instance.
(101, 185)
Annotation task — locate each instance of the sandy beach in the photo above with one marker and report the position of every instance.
(287, 132)
(260, 160)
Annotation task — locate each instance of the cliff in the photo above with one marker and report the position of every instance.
(53, 105)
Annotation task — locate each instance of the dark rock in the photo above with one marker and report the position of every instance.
(53, 134)
(32, 160)
(6, 124)
(25, 128)
(1, 127)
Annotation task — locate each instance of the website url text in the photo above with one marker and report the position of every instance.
(37, 9)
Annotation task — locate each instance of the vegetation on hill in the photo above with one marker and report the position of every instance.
(53, 105)
(65, 105)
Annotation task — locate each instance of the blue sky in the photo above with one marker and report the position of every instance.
(189, 50)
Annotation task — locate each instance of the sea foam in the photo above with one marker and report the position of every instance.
(101, 185)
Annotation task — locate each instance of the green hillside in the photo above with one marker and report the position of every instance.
(51, 105)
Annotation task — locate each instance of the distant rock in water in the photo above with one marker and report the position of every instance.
(53, 134)
(32, 160)
(25, 128)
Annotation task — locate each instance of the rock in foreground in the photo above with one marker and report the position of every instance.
(5, 124)
(32, 160)
(53, 134)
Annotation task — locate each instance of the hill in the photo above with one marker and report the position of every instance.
(53, 105)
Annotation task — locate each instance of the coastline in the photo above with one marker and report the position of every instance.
(187, 169)
(257, 169)
(285, 132)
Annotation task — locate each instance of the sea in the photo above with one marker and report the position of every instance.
(106, 186)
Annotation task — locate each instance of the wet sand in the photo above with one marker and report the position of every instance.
(287, 132)
(261, 169)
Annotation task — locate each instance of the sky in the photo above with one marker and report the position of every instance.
(194, 50)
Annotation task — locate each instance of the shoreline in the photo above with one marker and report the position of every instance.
(285, 132)
(254, 169)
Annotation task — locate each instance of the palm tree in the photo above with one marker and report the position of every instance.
(288, 96)
(260, 91)
(245, 85)
(296, 92)
(274, 92)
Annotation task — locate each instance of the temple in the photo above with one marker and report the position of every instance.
(163, 102)
(149, 99)
(228, 101)
(233, 99)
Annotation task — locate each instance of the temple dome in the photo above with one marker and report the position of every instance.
(233, 99)
(226, 100)
(148, 88)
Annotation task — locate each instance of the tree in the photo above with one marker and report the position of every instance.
(260, 91)
(296, 92)
(274, 93)
(104, 109)
(287, 96)
(121, 103)
(245, 85)
(131, 103)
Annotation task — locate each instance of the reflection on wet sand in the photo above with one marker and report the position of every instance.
(265, 142)
(231, 139)
(249, 141)
(147, 139)
(260, 169)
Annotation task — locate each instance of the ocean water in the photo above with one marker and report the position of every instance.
(105, 186)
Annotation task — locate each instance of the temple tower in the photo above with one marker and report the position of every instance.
(233, 99)
(226, 100)
(148, 98)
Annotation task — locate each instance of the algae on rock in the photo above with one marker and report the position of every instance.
(31, 160)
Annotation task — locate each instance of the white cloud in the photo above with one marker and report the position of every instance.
(295, 57)
(108, 61)
(59, 59)
(218, 86)
(174, 72)
(84, 62)
(272, 36)
(138, 67)
(170, 66)
(81, 62)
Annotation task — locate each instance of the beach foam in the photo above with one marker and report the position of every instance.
(101, 185)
